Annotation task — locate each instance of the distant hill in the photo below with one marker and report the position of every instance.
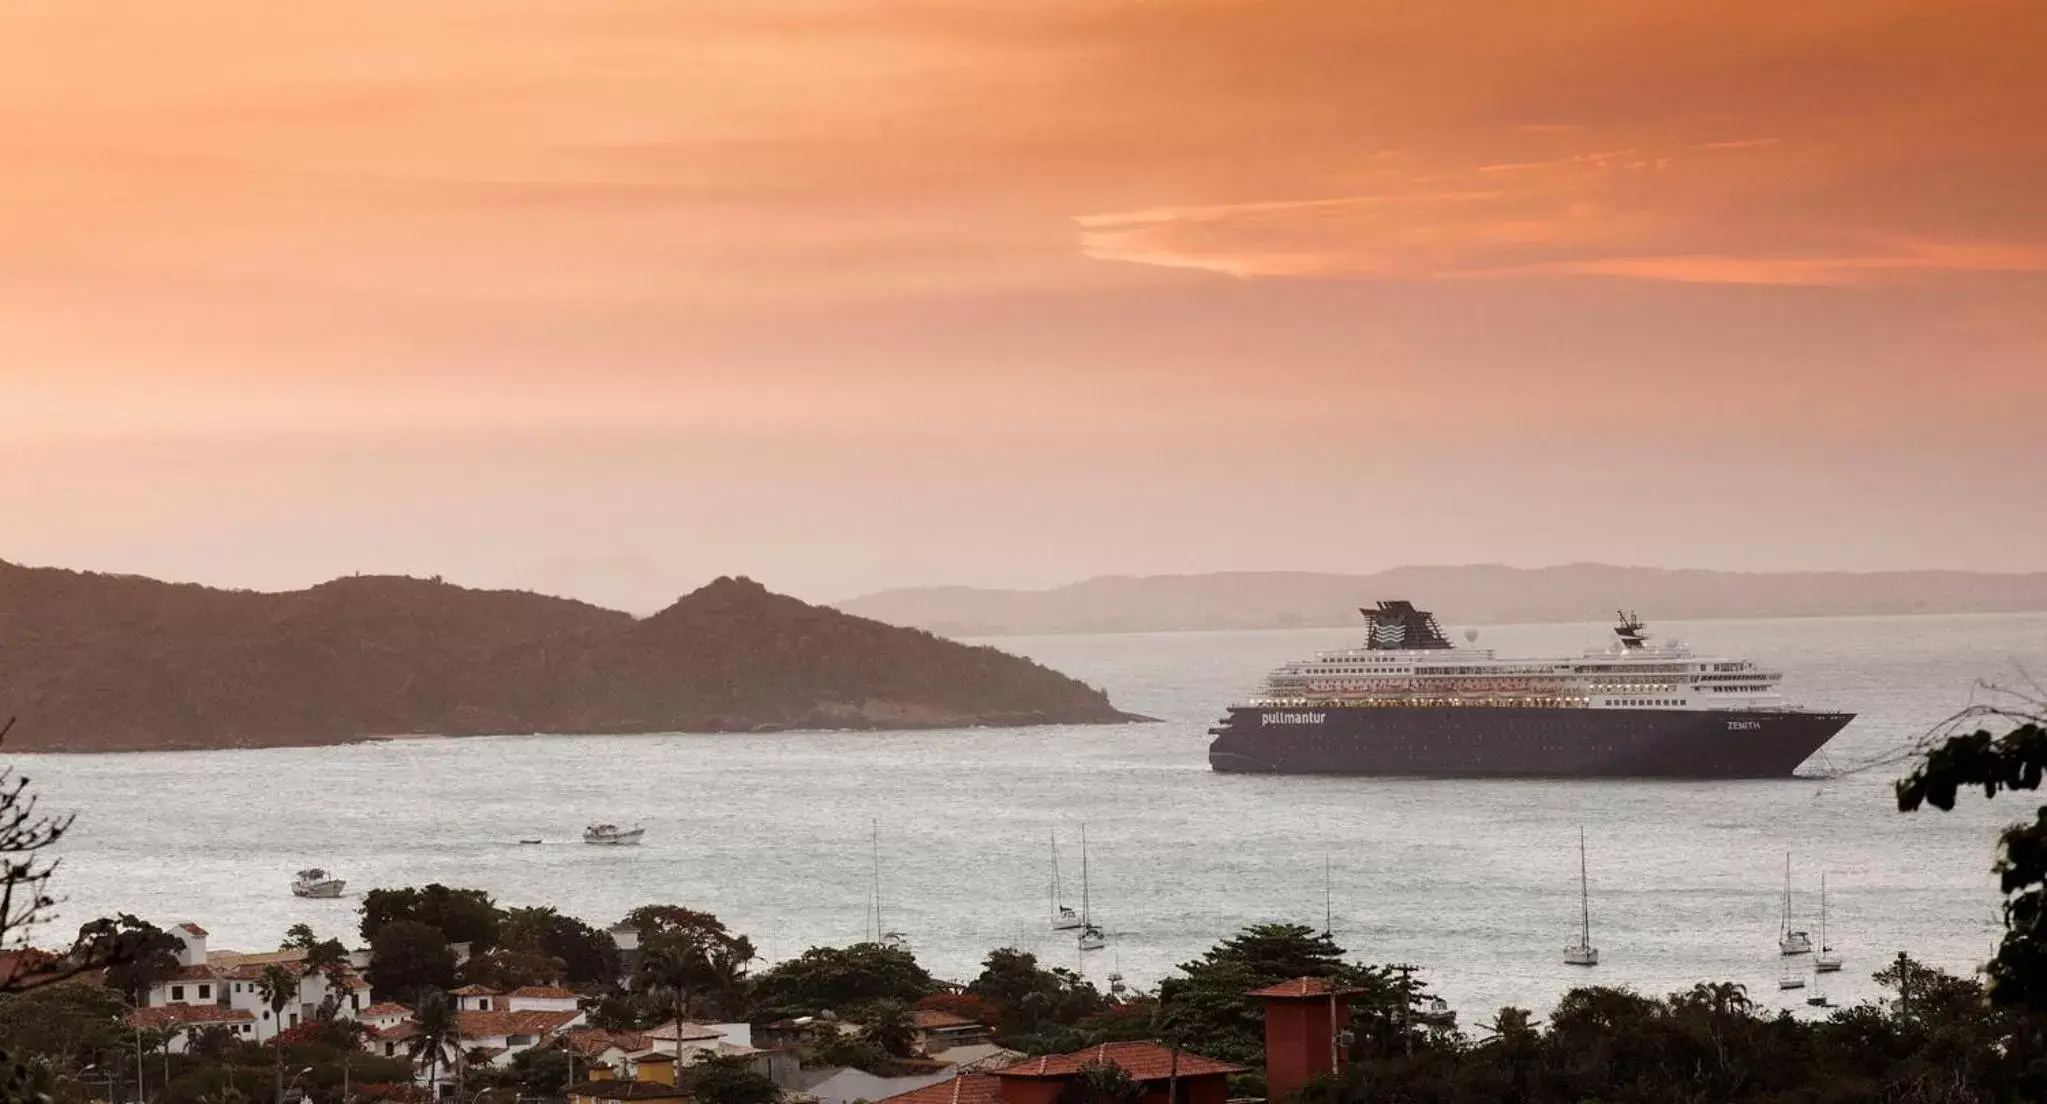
(1475, 594)
(107, 662)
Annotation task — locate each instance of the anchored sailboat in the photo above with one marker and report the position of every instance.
(1584, 954)
(1828, 961)
(1063, 918)
(1790, 942)
(1091, 937)
(893, 940)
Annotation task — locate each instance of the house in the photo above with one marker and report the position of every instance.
(846, 1085)
(1305, 1021)
(938, 1030)
(504, 1034)
(193, 981)
(476, 998)
(541, 998)
(605, 1055)
(346, 992)
(607, 1092)
(180, 1021)
(1155, 1067)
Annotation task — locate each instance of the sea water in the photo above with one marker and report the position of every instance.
(1476, 882)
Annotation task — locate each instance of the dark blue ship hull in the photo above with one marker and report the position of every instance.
(1514, 742)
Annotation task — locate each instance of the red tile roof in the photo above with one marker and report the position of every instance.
(403, 1030)
(967, 1088)
(1304, 987)
(596, 1040)
(387, 1008)
(1147, 1061)
(548, 992)
(192, 929)
(485, 1025)
(474, 991)
(193, 973)
(188, 1015)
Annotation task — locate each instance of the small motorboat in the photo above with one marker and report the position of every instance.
(529, 841)
(612, 835)
(315, 882)
(1791, 980)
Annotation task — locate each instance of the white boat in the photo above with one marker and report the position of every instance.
(1091, 937)
(1828, 961)
(1063, 918)
(1791, 979)
(1584, 954)
(315, 882)
(612, 835)
(886, 937)
(1790, 942)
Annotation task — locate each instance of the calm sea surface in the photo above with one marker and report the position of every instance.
(1476, 882)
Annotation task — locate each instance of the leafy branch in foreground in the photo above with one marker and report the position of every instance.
(2016, 760)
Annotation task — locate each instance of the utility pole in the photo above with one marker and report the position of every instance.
(1406, 998)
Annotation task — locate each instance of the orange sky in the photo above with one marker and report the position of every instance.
(848, 292)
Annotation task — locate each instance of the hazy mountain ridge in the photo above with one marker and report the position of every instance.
(1484, 593)
(115, 662)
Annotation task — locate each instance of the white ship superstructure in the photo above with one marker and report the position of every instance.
(1408, 662)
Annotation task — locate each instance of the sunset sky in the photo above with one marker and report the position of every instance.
(610, 297)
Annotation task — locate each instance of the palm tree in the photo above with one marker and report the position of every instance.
(440, 1027)
(673, 967)
(278, 987)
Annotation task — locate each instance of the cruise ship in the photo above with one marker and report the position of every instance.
(1409, 702)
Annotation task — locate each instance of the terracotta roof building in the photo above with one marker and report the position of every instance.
(967, 1088)
(1306, 1019)
(1155, 1067)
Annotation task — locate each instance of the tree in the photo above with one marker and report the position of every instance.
(73, 1025)
(719, 957)
(541, 1071)
(2015, 761)
(721, 1080)
(833, 1047)
(1028, 998)
(887, 1026)
(838, 978)
(1207, 1009)
(408, 958)
(440, 1030)
(463, 915)
(278, 987)
(148, 953)
(1101, 1083)
(586, 956)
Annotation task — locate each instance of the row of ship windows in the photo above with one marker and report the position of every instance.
(1644, 701)
(1736, 689)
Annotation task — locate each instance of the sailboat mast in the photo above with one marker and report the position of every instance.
(1823, 911)
(1083, 875)
(1584, 896)
(1786, 925)
(1055, 875)
(1328, 902)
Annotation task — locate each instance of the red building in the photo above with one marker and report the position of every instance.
(1154, 1066)
(1305, 1020)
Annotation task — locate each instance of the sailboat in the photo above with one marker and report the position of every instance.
(1063, 918)
(892, 940)
(1091, 937)
(1818, 999)
(1828, 961)
(1328, 902)
(1584, 954)
(1791, 979)
(1791, 942)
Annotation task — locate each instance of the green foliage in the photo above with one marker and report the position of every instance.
(886, 1025)
(1206, 1009)
(463, 915)
(833, 1047)
(840, 978)
(1029, 999)
(586, 956)
(719, 1080)
(1100, 1083)
(30, 1082)
(541, 1071)
(688, 958)
(141, 952)
(72, 1024)
(440, 1029)
(2015, 761)
(408, 958)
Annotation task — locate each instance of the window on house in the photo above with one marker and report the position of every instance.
(177, 992)
(206, 992)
